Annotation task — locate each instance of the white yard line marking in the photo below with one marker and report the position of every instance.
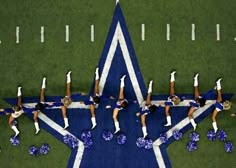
(67, 33)
(92, 33)
(217, 32)
(193, 32)
(17, 34)
(168, 32)
(143, 32)
(42, 34)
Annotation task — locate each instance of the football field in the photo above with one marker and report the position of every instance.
(187, 36)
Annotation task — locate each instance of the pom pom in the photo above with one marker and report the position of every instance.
(15, 141)
(192, 146)
(211, 135)
(177, 135)
(86, 135)
(222, 135)
(163, 137)
(88, 143)
(229, 147)
(140, 142)
(44, 149)
(121, 139)
(148, 144)
(71, 141)
(107, 135)
(33, 150)
(194, 136)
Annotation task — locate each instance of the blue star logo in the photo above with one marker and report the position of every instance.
(118, 58)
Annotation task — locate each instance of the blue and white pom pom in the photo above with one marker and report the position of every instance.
(107, 135)
(44, 149)
(140, 142)
(211, 135)
(121, 139)
(148, 144)
(86, 135)
(229, 147)
(163, 137)
(194, 136)
(33, 150)
(177, 135)
(71, 141)
(191, 146)
(15, 141)
(88, 142)
(221, 135)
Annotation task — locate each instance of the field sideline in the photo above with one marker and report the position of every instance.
(25, 63)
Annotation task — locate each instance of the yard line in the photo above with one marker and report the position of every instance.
(218, 32)
(193, 32)
(168, 32)
(17, 34)
(67, 33)
(143, 32)
(92, 33)
(42, 34)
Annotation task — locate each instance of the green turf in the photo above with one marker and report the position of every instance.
(27, 62)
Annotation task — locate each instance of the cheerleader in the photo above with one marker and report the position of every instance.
(219, 105)
(120, 104)
(147, 109)
(172, 99)
(196, 103)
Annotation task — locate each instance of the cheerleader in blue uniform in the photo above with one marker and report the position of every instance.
(196, 103)
(17, 112)
(39, 106)
(219, 105)
(120, 104)
(95, 99)
(67, 100)
(172, 99)
(147, 109)
(14, 112)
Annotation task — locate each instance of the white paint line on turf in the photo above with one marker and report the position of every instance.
(67, 33)
(42, 34)
(92, 33)
(17, 34)
(168, 32)
(193, 32)
(143, 32)
(217, 32)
